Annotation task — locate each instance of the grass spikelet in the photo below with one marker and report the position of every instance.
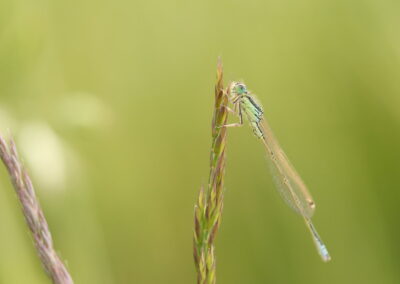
(208, 209)
(33, 214)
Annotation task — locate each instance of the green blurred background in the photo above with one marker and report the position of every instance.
(111, 103)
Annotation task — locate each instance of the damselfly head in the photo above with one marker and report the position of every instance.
(237, 89)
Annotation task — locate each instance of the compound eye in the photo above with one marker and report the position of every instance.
(242, 88)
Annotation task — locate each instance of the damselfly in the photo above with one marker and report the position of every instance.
(289, 184)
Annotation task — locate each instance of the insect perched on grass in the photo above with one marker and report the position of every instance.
(288, 181)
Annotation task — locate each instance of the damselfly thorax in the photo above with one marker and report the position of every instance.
(244, 103)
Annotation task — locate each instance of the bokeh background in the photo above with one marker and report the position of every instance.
(111, 101)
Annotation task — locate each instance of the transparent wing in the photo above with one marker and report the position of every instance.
(290, 186)
(288, 182)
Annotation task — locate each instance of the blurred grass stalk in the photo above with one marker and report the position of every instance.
(33, 213)
(208, 209)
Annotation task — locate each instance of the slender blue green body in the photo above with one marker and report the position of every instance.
(290, 185)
